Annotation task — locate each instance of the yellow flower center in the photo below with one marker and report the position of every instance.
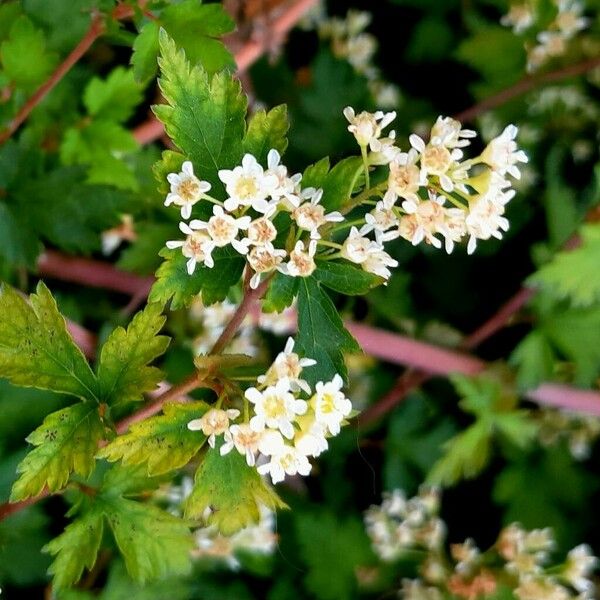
(246, 188)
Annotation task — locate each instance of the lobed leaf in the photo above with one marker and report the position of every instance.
(267, 130)
(345, 278)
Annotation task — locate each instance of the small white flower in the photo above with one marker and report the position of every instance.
(378, 263)
(484, 221)
(381, 220)
(367, 126)
(449, 132)
(405, 177)
(311, 440)
(311, 215)
(330, 404)
(264, 259)
(502, 153)
(214, 422)
(436, 159)
(186, 189)
(288, 365)
(569, 20)
(454, 228)
(271, 442)
(275, 407)
(248, 185)
(287, 189)
(383, 150)
(244, 439)
(287, 462)
(520, 17)
(261, 231)
(580, 564)
(113, 238)
(357, 248)
(223, 229)
(197, 247)
(301, 262)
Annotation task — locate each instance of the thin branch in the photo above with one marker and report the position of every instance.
(525, 85)
(93, 33)
(245, 57)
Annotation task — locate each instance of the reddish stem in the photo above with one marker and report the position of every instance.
(93, 33)
(525, 85)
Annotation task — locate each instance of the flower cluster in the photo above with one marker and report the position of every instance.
(286, 421)
(519, 558)
(431, 193)
(579, 431)
(265, 193)
(554, 39)
(350, 41)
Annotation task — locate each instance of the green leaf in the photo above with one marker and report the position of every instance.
(333, 549)
(75, 549)
(431, 40)
(36, 349)
(145, 52)
(233, 490)
(205, 117)
(173, 282)
(19, 245)
(142, 256)
(574, 274)
(346, 278)
(321, 333)
(534, 360)
(281, 293)
(123, 372)
(100, 147)
(65, 442)
(114, 98)
(267, 131)
(153, 542)
(24, 55)
(465, 456)
(575, 334)
(344, 179)
(163, 443)
(314, 175)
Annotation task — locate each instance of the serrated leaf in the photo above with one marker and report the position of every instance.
(162, 443)
(233, 490)
(321, 333)
(75, 549)
(314, 175)
(575, 334)
(205, 117)
(344, 179)
(465, 456)
(145, 52)
(267, 131)
(153, 542)
(36, 349)
(123, 371)
(574, 274)
(173, 282)
(24, 55)
(333, 550)
(281, 293)
(345, 278)
(66, 442)
(114, 98)
(534, 360)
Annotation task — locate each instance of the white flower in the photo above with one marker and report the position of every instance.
(244, 439)
(484, 221)
(197, 247)
(186, 189)
(405, 177)
(287, 462)
(288, 365)
(436, 159)
(301, 262)
(449, 132)
(311, 215)
(248, 185)
(580, 564)
(264, 259)
(311, 440)
(519, 17)
(287, 188)
(279, 323)
(275, 407)
(214, 422)
(367, 126)
(330, 404)
(569, 20)
(502, 153)
(271, 442)
(223, 229)
(261, 231)
(381, 220)
(383, 150)
(454, 228)
(357, 248)
(378, 263)
(113, 238)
